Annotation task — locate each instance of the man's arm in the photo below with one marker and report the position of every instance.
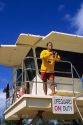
(44, 54)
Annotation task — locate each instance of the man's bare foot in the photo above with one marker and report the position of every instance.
(52, 94)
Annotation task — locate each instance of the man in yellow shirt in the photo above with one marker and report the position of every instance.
(47, 67)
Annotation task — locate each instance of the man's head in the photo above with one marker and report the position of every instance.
(49, 46)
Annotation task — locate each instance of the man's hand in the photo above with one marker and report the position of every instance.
(50, 53)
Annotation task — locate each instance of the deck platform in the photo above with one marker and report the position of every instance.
(28, 106)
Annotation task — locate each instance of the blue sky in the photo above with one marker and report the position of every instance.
(37, 17)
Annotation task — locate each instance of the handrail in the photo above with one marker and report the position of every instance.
(30, 57)
(54, 71)
(42, 82)
(76, 72)
(59, 61)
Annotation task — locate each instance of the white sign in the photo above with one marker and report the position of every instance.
(62, 105)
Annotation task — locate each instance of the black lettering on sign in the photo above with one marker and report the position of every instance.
(64, 108)
(57, 101)
(62, 101)
(67, 108)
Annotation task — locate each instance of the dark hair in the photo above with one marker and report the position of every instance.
(48, 43)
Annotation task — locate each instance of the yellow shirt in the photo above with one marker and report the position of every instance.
(48, 61)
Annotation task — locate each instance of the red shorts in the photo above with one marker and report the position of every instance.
(45, 76)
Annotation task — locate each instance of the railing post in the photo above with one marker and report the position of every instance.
(22, 71)
(72, 78)
(25, 78)
(36, 66)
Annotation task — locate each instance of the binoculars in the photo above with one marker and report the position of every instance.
(55, 53)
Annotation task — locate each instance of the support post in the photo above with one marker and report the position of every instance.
(37, 117)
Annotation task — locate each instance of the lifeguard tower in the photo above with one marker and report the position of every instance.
(24, 59)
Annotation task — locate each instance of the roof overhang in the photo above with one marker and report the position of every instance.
(12, 55)
(63, 41)
(28, 39)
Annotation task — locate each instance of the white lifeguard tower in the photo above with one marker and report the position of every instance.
(23, 57)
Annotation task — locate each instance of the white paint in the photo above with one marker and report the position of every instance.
(40, 90)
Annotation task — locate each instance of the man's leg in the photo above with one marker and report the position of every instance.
(43, 77)
(45, 87)
(52, 86)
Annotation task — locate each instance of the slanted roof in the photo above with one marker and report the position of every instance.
(12, 55)
(28, 39)
(63, 41)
